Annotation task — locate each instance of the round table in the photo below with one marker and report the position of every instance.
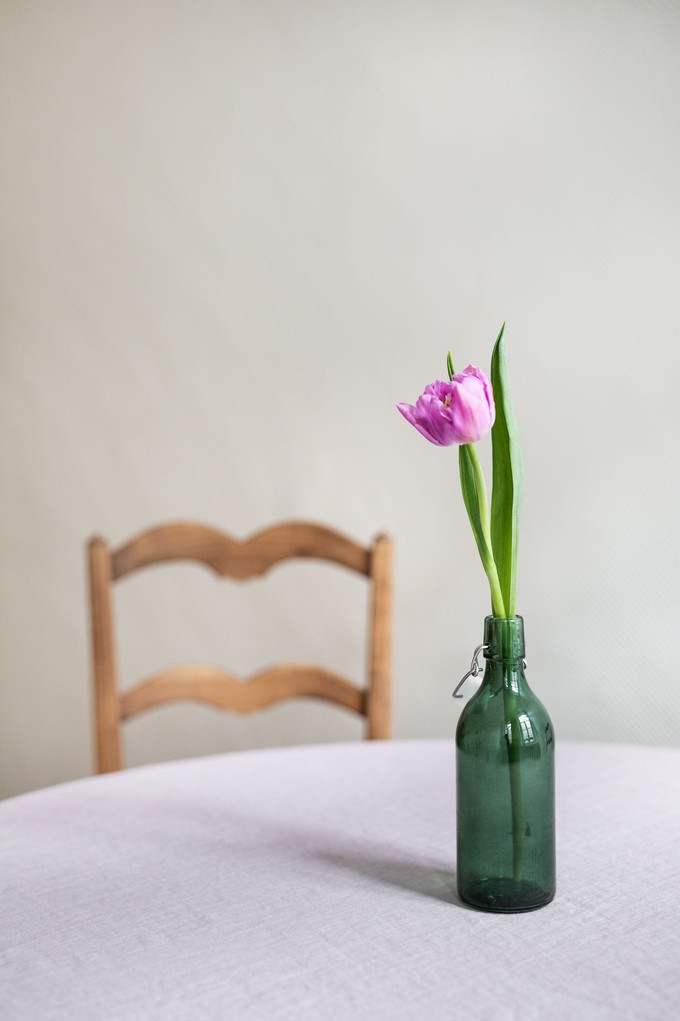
(319, 883)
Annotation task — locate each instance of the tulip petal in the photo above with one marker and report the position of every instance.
(409, 413)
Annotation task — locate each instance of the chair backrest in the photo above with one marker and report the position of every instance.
(240, 560)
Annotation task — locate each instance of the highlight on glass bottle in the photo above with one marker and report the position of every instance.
(505, 783)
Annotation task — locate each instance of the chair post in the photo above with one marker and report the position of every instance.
(379, 710)
(104, 674)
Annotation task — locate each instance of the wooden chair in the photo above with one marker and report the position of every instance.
(239, 560)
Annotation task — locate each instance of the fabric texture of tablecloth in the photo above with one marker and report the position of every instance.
(319, 883)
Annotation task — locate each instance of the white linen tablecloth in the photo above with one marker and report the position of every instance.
(319, 883)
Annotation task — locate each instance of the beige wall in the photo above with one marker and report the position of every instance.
(234, 234)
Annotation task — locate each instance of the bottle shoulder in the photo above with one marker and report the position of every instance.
(494, 707)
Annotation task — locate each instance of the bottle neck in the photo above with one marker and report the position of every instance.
(504, 639)
(504, 652)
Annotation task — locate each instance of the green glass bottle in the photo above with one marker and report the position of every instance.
(505, 783)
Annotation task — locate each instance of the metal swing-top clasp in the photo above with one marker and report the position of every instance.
(474, 670)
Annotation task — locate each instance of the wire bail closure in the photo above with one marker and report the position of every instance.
(474, 670)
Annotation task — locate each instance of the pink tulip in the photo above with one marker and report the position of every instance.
(461, 411)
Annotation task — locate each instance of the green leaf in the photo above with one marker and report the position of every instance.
(449, 366)
(508, 479)
(475, 499)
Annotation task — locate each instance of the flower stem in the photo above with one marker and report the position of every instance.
(497, 604)
(514, 739)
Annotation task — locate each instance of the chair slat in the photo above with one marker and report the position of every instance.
(209, 684)
(230, 557)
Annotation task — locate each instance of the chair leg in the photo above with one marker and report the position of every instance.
(106, 701)
(379, 726)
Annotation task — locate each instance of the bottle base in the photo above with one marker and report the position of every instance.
(506, 895)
